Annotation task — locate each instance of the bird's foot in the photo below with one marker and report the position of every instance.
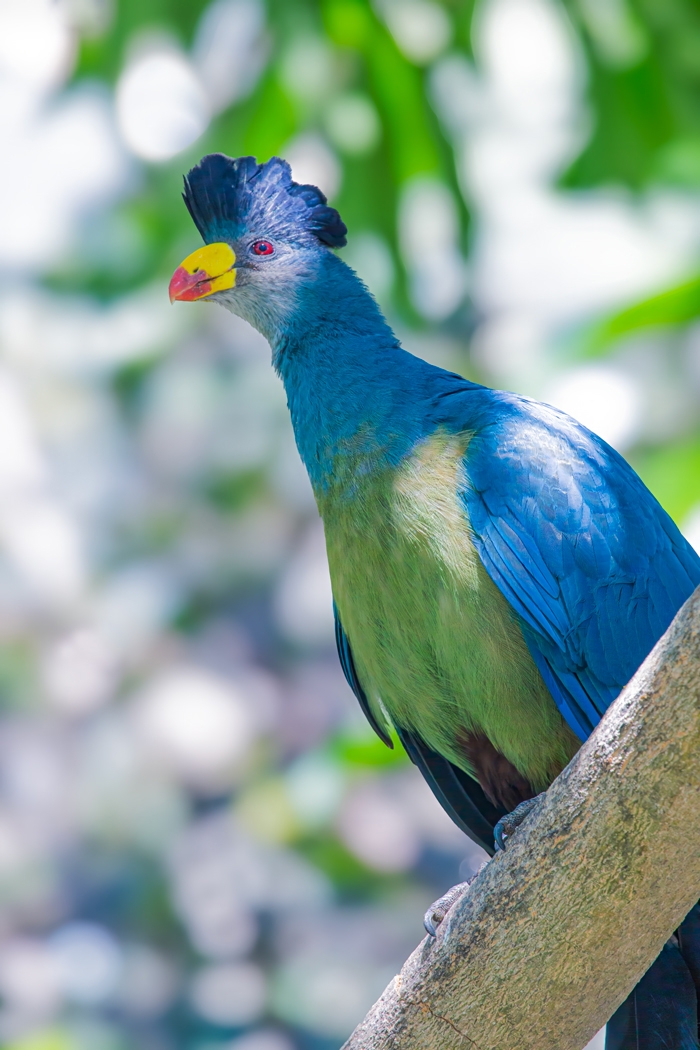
(509, 824)
(506, 827)
(439, 908)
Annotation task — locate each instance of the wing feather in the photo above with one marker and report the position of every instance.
(590, 562)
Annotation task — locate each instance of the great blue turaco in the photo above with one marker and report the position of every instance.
(499, 572)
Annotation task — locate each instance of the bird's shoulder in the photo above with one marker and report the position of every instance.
(588, 559)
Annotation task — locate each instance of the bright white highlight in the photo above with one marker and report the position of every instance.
(61, 334)
(307, 68)
(36, 532)
(544, 259)
(352, 123)
(21, 464)
(421, 28)
(43, 542)
(377, 828)
(304, 601)
(196, 723)
(525, 48)
(36, 45)
(370, 256)
(429, 230)
(161, 105)
(88, 959)
(86, 167)
(313, 161)
(229, 993)
(597, 1042)
(604, 399)
(79, 672)
(314, 785)
(230, 49)
(691, 528)
(67, 152)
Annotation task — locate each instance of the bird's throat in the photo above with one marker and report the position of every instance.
(353, 392)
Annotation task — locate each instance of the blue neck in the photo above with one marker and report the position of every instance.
(356, 397)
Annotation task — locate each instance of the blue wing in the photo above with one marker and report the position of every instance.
(459, 795)
(591, 563)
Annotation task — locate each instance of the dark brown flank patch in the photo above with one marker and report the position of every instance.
(498, 777)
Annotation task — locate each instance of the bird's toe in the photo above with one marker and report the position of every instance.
(509, 824)
(439, 908)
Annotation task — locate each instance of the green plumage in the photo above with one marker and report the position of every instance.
(434, 641)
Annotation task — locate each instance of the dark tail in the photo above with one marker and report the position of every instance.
(662, 1011)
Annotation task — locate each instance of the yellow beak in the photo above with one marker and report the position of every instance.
(210, 269)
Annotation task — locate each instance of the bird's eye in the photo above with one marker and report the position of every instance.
(263, 248)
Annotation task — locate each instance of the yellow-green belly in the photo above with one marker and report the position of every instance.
(436, 645)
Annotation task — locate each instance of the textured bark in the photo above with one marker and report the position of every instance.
(552, 935)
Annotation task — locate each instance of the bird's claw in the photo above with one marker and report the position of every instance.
(506, 827)
(511, 822)
(439, 908)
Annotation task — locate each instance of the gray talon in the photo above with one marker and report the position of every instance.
(439, 908)
(509, 824)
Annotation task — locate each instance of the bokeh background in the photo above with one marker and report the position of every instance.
(202, 846)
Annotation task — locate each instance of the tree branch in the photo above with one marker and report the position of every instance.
(553, 935)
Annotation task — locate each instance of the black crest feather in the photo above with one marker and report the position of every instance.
(226, 196)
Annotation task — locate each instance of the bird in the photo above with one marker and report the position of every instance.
(499, 571)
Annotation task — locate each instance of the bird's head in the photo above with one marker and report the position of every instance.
(264, 234)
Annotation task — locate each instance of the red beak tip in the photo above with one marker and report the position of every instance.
(187, 287)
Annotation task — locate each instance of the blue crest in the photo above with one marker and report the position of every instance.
(223, 194)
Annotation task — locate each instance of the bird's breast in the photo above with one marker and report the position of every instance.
(435, 643)
(403, 530)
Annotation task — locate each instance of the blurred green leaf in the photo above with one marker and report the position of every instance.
(103, 56)
(368, 750)
(672, 472)
(676, 306)
(18, 676)
(271, 120)
(51, 1039)
(348, 874)
(231, 492)
(643, 60)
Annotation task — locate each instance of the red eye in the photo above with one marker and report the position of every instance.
(263, 248)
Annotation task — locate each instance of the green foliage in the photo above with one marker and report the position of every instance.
(367, 751)
(103, 56)
(53, 1039)
(351, 878)
(229, 492)
(674, 307)
(643, 59)
(672, 472)
(364, 58)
